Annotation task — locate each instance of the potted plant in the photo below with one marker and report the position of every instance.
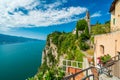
(104, 59)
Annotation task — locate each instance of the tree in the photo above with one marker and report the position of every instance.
(81, 24)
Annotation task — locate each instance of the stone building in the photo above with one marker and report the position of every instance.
(109, 43)
(115, 15)
(103, 44)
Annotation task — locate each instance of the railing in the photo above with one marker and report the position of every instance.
(88, 76)
(114, 61)
(113, 66)
(71, 63)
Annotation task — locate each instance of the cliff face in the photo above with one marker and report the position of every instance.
(59, 46)
(50, 50)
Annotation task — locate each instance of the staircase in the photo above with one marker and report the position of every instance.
(113, 66)
(95, 73)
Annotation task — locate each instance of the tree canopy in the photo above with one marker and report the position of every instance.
(81, 25)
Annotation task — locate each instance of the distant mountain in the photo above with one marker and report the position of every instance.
(8, 39)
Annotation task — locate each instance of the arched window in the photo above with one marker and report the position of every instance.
(102, 49)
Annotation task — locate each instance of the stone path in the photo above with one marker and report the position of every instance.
(104, 77)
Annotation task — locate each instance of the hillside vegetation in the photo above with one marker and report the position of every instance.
(101, 28)
(69, 46)
(98, 29)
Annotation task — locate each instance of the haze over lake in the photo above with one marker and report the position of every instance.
(21, 60)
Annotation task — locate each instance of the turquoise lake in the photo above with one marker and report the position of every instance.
(20, 61)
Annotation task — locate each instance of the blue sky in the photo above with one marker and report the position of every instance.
(38, 18)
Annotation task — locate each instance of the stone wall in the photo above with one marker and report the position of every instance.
(115, 14)
(110, 42)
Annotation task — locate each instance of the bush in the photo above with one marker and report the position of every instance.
(54, 36)
(84, 46)
(54, 74)
(80, 65)
(84, 37)
(79, 56)
(105, 58)
(101, 28)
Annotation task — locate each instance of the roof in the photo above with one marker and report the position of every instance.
(113, 5)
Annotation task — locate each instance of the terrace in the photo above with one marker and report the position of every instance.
(109, 71)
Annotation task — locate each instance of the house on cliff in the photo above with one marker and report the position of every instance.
(110, 43)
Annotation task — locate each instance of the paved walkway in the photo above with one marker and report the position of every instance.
(104, 77)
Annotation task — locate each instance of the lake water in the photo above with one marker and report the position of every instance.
(20, 61)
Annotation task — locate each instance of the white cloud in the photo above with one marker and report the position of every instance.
(97, 14)
(53, 5)
(37, 17)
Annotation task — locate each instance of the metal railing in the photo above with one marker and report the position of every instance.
(72, 63)
(88, 76)
(112, 61)
(94, 76)
(113, 66)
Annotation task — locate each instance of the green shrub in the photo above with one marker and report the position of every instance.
(79, 56)
(100, 28)
(80, 65)
(105, 58)
(84, 46)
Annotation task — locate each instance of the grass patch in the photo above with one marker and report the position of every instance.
(90, 52)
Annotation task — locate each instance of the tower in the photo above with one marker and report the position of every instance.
(87, 18)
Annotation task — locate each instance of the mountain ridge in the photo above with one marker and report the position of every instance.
(9, 39)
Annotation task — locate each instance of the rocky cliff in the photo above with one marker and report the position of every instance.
(61, 45)
(51, 50)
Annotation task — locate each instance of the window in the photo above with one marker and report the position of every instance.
(114, 21)
(102, 49)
